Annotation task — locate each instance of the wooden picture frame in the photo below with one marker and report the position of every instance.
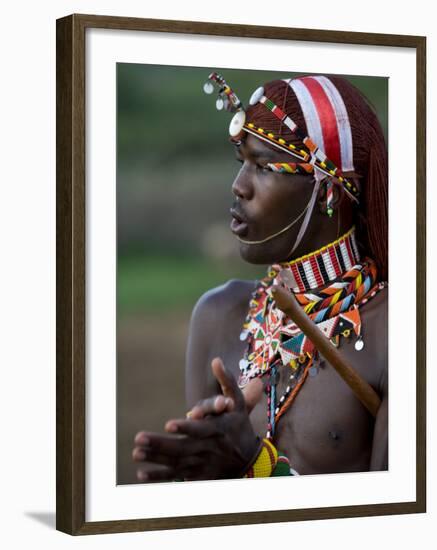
(71, 277)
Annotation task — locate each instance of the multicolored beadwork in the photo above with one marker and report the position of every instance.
(326, 167)
(229, 98)
(291, 167)
(274, 342)
(265, 462)
(326, 119)
(270, 463)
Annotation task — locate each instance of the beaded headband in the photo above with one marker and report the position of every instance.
(326, 119)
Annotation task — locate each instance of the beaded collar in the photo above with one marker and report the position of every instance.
(274, 342)
(319, 268)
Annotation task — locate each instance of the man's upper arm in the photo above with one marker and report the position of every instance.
(205, 319)
(379, 459)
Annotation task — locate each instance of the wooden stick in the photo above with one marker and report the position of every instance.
(364, 391)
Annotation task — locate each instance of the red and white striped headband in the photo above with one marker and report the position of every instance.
(326, 118)
(328, 137)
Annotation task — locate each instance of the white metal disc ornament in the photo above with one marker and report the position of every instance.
(219, 104)
(243, 363)
(359, 344)
(208, 88)
(256, 96)
(237, 123)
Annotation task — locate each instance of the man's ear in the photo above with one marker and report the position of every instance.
(337, 195)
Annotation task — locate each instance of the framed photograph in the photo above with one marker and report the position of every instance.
(194, 388)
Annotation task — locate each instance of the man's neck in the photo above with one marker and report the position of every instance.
(323, 266)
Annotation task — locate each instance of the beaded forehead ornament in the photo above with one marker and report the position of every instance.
(325, 117)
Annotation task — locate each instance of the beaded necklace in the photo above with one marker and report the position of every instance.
(275, 342)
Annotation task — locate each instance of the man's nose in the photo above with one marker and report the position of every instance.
(243, 186)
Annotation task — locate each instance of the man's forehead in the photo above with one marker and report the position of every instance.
(254, 147)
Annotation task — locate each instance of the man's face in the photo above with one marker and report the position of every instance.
(266, 202)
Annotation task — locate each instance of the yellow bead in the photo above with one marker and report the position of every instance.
(281, 141)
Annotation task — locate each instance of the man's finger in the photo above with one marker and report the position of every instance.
(213, 405)
(196, 429)
(148, 474)
(227, 382)
(139, 454)
(171, 445)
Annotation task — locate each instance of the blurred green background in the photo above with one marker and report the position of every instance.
(175, 167)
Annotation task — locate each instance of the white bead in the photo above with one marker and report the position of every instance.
(219, 104)
(243, 335)
(256, 96)
(237, 123)
(208, 88)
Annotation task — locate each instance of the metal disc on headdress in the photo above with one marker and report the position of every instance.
(237, 123)
(208, 88)
(256, 96)
(219, 104)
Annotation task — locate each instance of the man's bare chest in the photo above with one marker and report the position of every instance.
(326, 429)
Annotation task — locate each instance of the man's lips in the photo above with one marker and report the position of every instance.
(239, 224)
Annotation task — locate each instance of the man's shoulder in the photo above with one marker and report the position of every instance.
(376, 309)
(224, 298)
(215, 327)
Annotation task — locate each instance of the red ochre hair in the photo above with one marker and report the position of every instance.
(369, 157)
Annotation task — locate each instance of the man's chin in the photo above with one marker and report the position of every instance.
(256, 254)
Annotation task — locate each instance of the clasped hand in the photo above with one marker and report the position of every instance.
(215, 441)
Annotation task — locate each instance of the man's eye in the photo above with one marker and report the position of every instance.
(241, 161)
(262, 168)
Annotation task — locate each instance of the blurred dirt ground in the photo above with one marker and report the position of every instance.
(150, 379)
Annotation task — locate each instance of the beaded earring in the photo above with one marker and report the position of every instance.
(329, 197)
